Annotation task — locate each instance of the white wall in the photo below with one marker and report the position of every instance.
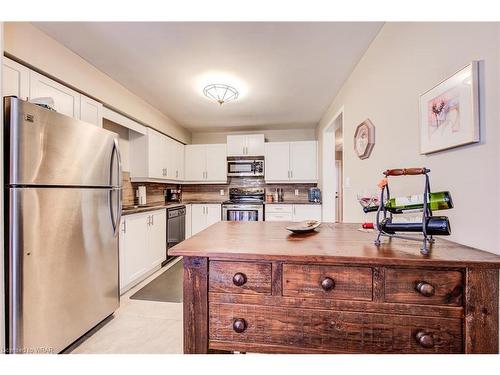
(2, 289)
(271, 135)
(404, 61)
(30, 45)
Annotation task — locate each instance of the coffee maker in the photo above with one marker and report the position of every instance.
(173, 195)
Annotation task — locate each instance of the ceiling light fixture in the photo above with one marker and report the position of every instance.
(220, 93)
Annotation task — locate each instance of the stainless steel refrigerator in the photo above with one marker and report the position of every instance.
(63, 209)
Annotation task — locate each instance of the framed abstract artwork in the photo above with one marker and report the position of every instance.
(449, 112)
(364, 139)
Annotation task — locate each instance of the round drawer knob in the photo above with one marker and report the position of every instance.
(425, 289)
(239, 325)
(328, 284)
(239, 279)
(424, 339)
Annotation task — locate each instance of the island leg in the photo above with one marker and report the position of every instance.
(481, 315)
(195, 305)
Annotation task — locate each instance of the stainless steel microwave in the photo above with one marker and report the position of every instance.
(245, 167)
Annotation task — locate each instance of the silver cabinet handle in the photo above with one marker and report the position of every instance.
(291, 174)
(152, 220)
(124, 229)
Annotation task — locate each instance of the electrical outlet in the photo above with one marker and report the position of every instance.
(296, 191)
(222, 192)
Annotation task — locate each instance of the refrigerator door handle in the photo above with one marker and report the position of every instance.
(116, 224)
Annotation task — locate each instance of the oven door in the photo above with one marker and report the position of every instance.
(242, 212)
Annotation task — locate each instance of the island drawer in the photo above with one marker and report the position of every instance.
(339, 282)
(239, 277)
(424, 286)
(331, 331)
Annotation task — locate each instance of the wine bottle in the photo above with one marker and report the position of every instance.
(436, 226)
(415, 203)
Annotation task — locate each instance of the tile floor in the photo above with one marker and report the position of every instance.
(140, 327)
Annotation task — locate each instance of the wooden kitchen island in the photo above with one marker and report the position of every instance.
(255, 287)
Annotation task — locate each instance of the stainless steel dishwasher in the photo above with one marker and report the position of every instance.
(176, 227)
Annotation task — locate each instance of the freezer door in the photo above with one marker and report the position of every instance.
(48, 148)
(63, 265)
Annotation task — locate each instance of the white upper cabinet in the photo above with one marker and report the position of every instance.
(245, 145)
(15, 79)
(291, 161)
(90, 111)
(216, 163)
(304, 161)
(277, 161)
(66, 100)
(156, 157)
(20, 81)
(195, 162)
(206, 163)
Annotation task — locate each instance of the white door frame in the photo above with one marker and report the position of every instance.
(328, 169)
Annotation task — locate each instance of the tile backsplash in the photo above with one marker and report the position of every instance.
(202, 192)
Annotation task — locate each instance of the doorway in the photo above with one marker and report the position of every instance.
(333, 169)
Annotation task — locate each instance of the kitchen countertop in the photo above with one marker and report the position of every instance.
(129, 210)
(340, 243)
(293, 202)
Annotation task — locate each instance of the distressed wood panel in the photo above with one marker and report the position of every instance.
(481, 315)
(304, 280)
(258, 277)
(400, 286)
(195, 305)
(337, 331)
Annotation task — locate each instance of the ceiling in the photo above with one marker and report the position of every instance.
(287, 73)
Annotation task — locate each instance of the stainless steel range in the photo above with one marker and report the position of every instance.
(244, 204)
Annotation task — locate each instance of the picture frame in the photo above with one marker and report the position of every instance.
(364, 139)
(449, 112)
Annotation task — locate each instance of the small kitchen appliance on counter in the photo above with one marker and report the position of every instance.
(314, 194)
(173, 195)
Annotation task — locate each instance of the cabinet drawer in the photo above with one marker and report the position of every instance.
(331, 331)
(239, 277)
(286, 216)
(279, 208)
(352, 283)
(419, 286)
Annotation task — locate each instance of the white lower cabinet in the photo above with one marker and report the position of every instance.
(189, 215)
(204, 215)
(293, 212)
(143, 241)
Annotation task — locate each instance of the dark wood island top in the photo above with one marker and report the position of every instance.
(255, 287)
(342, 243)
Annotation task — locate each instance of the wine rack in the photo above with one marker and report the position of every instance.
(383, 213)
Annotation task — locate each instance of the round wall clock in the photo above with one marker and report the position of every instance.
(364, 139)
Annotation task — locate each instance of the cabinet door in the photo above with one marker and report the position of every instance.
(66, 101)
(277, 161)
(195, 162)
(134, 248)
(15, 79)
(303, 212)
(90, 111)
(198, 218)
(255, 145)
(236, 145)
(216, 163)
(188, 220)
(304, 161)
(213, 213)
(180, 160)
(156, 155)
(275, 216)
(171, 160)
(157, 251)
